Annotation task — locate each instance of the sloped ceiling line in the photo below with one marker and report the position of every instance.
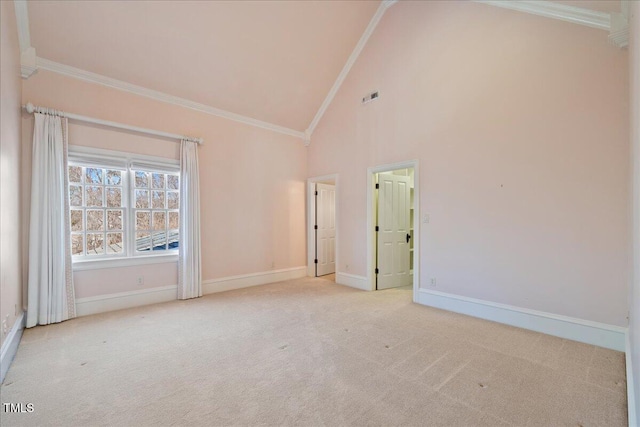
(30, 63)
(615, 23)
(77, 73)
(384, 5)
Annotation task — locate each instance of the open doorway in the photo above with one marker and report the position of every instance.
(322, 227)
(393, 218)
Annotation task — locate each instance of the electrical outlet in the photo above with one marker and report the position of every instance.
(140, 280)
(432, 282)
(425, 218)
(5, 329)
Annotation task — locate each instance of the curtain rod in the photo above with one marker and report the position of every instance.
(30, 108)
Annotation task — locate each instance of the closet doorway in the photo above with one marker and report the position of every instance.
(321, 220)
(393, 218)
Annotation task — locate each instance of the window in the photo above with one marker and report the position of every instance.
(157, 200)
(121, 208)
(97, 217)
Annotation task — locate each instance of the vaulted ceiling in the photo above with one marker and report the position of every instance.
(274, 64)
(271, 61)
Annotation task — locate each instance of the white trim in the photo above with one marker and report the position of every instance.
(619, 32)
(384, 5)
(102, 263)
(353, 281)
(563, 12)
(22, 19)
(160, 96)
(253, 279)
(123, 300)
(10, 345)
(371, 254)
(631, 399)
(28, 64)
(620, 38)
(79, 150)
(586, 331)
(311, 208)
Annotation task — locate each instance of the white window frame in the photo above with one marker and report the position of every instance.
(82, 156)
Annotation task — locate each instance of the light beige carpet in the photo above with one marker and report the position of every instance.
(308, 352)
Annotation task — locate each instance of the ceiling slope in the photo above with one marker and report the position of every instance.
(270, 61)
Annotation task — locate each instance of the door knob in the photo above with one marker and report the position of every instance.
(408, 237)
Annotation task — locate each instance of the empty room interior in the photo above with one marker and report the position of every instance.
(320, 213)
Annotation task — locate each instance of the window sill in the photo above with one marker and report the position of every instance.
(97, 264)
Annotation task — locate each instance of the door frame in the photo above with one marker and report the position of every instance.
(311, 210)
(371, 234)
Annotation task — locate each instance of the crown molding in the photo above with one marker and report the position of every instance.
(616, 23)
(90, 77)
(620, 38)
(619, 32)
(28, 63)
(563, 12)
(22, 19)
(384, 5)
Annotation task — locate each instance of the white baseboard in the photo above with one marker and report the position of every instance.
(254, 279)
(631, 392)
(10, 345)
(122, 300)
(358, 282)
(600, 334)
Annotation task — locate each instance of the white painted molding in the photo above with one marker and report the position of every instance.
(90, 77)
(616, 23)
(254, 279)
(22, 19)
(99, 264)
(122, 300)
(571, 328)
(311, 219)
(620, 38)
(353, 281)
(631, 393)
(384, 5)
(28, 63)
(563, 12)
(619, 33)
(138, 298)
(10, 345)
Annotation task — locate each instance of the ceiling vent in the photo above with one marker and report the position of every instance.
(370, 97)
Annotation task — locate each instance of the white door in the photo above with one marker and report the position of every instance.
(326, 232)
(394, 194)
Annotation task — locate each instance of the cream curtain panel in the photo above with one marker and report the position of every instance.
(189, 265)
(51, 296)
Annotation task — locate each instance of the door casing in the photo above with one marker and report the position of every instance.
(311, 211)
(326, 222)
(371, 234)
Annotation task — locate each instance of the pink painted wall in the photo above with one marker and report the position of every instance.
(10, 242)
(634, 295)
(520, 125)
(251, 180)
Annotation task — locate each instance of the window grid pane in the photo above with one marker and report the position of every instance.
(96, 230)
(156, 216)
(98, 215)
